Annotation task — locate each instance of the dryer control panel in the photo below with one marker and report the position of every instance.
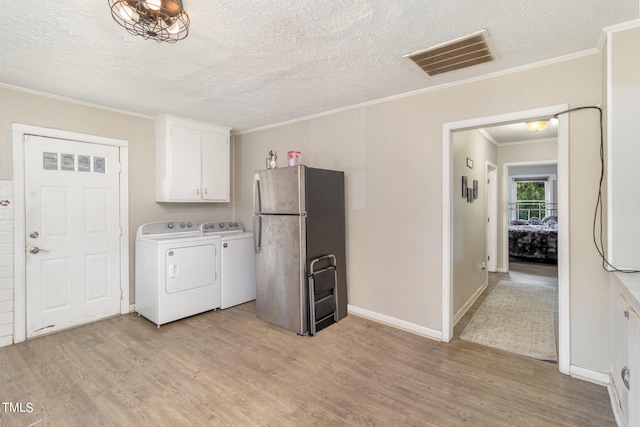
(167, 227)
(221, 227)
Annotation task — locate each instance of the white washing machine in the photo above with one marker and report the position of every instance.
(238, 261)
(177, 271)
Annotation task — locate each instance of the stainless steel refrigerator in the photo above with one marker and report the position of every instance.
(299, 236)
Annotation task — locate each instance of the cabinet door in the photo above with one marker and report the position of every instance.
(185, 164)
(634, 368)
(215, 167)
(620, 325)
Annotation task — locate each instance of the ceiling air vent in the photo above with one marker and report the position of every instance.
(459, 53)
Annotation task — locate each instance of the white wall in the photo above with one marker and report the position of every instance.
(6, 263)
(391, 153)
(469, 219)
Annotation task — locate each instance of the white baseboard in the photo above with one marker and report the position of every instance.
(502, 270)
(589, 375)
(132, 308)
(469, 303)
(396, 323)
(615, 404)
(5, 341)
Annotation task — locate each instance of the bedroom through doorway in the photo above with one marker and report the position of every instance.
(530, 193)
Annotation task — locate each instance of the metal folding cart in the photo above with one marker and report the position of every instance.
(323, 293)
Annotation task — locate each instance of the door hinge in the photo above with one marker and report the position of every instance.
(488, 219)
(488, 258)
(121, 294)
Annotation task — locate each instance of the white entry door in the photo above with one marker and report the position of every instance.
(72, 227)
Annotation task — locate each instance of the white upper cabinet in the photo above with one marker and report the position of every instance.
(192, 161)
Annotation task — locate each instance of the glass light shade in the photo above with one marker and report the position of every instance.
(126, 12)
(152, 4)
(174, 28)
(537, 125)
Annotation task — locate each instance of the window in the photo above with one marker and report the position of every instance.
(530, 199)
(532, 196)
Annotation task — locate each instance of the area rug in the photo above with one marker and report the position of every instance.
(517, 317)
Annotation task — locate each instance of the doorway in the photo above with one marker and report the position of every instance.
(492, 217)
(530, 220)
(71, 227)
(563, 200)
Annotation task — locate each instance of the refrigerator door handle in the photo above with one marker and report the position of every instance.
(257, 233)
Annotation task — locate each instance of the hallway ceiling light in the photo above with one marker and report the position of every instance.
(537, 125)
(160, 20)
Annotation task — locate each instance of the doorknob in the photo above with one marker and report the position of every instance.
(35, 250)
(34, 235)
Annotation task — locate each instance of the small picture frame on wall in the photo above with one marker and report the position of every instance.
(464, 186)
(475, 189)
(469, 163)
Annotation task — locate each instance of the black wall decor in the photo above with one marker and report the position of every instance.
(469, 193)
(464, 186)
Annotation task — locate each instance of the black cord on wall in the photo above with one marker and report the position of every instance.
(598, 239)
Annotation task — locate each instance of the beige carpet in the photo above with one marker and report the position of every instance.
(517, 317)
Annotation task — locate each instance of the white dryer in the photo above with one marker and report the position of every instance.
(177, 271)
(238, 261)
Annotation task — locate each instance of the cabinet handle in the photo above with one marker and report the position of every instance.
(625, 374)
(197, 191)
(205, 192)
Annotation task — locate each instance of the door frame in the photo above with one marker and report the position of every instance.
(492, 216)
(564, 303)
(18, 132)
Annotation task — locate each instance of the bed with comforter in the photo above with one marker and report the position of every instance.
(534, 239)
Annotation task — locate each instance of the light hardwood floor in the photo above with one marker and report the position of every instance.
(229, 368)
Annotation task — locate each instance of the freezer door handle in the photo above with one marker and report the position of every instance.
(257, 233)
(257, 203)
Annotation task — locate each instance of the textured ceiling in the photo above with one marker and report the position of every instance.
(248, 64)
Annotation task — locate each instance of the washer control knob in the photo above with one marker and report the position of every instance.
(189, 224)
(221, 225)
(170, 225)
(225, 245)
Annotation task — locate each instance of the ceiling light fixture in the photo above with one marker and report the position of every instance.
(160, 20)
(537, 125)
